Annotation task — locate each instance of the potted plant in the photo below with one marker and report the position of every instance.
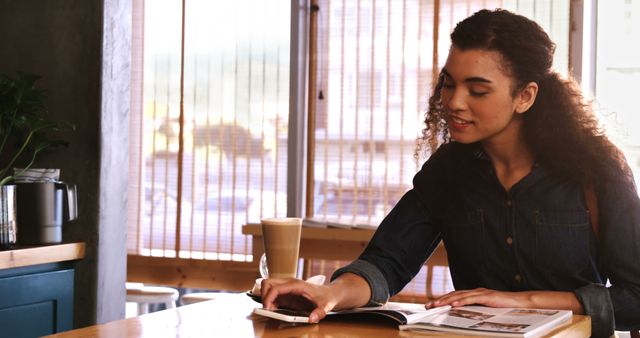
(25, 132)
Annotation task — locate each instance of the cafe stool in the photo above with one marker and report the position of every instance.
(144, 295)
(197, 297)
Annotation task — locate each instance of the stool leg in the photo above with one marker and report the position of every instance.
(143, 308)
(170, 305)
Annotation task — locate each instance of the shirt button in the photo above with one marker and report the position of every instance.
(509, 240)
(518, 278)
(509, 203)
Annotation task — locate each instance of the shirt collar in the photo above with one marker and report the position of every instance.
(480, 154)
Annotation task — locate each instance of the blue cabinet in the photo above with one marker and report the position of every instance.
(36, 300)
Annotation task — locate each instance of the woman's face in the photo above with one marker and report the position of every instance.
(477, 98)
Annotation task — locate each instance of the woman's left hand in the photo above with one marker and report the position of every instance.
(482, 296)
(523, 299)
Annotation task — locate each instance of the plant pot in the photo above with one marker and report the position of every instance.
(8, 229)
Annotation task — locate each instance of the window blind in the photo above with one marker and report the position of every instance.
(209, 125)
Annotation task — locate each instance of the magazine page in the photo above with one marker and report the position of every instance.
(340, 222)
(366, 224)
(403, 313)
(519, 322)
(347, 223)
(332, 222)
(314, 223)
(343, 223)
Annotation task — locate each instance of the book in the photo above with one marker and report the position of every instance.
(465, 320)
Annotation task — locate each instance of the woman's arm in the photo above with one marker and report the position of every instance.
(347, 291)
(562, 300)
(397, 251)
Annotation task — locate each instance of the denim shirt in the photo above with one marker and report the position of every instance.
(536, 236)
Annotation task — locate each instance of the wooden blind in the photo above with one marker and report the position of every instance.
(209, 125)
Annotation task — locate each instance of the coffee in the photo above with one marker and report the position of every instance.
(281, 245)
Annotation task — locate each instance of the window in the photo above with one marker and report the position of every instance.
(617, 74)
(209, 125)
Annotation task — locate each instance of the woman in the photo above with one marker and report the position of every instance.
(518, 151)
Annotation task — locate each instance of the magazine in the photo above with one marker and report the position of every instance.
(494, 322)
(465, 320)
(342, 223)
(403, 313)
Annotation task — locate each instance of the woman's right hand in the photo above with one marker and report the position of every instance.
(299, 295)
(347, 291)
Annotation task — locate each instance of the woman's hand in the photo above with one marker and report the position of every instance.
(347, 291)
(299, 295)
(482, 296)
(523, 299)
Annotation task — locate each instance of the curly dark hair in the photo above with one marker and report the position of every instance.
(560, 127)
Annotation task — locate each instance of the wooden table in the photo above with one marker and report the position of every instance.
(319, 243)
(230, 315)
(331, 243)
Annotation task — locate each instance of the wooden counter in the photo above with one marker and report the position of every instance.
(27, 256)
(230, 315)
(37, 288)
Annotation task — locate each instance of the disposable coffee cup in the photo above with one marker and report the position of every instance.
(281, 245)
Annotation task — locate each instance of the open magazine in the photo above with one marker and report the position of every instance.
(403, 313)
(466, 320)
(494, 322)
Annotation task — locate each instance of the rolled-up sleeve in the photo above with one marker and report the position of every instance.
(373, 276)
(617, 305)
(597, 304)
(397, 250)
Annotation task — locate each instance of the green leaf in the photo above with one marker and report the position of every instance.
(24, 121)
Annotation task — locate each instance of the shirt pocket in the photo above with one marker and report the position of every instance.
(562, 241)
(464, 235)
